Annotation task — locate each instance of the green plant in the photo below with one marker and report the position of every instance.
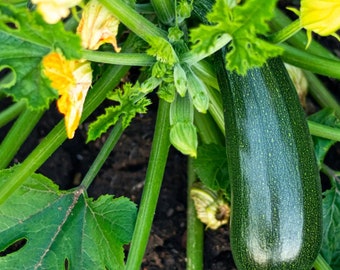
(173, 42)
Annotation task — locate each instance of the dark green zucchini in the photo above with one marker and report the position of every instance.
(275, 187)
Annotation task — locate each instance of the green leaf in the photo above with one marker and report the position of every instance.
(131, 101)
(62, 226)
(245, 23)
(330, 248)
(24, 40)
(162, 50)
(321, 146)
(211, 166)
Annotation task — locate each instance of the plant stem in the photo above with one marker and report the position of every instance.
(208, 129)
(191, 58)
(133, 20)
(103, 154)
(286, 32)
(313, 63)
(321, 264)
(323, 131)
(205, 72)
(153, 182)
(57, 136)
(18, 133)
(165, 10)
(321, 94)
(195, 235)
(11, 112)
(299, 40)
(126, 59)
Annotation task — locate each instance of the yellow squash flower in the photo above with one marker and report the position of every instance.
(321, 17)
(97, 26)
(72, 79)
(54, 10)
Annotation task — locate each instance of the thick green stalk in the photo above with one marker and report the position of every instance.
(323, 131)
(18, 133)
(11, 112)
(321, 264)
(103, 154)
(286, 32)
(153, 182)
(321, 94)
(195, 230)
(208, 129)
(57, 136)
(133, 20)
(314, 63)
(126, 59)
(299, 40)
(165, 10)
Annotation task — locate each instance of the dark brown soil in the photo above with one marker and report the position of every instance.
(123, 175)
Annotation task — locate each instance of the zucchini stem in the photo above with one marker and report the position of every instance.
(324, 131)
(321, 264)
(105, 151)
(195, 230)
(153, 182)
(17, 135)
(11, 112)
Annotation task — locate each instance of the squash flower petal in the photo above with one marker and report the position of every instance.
(72, 79)
(54, 10)
(320, 16)
(97, 26)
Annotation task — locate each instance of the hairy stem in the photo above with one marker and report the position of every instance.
(305, 60)
(195, 230)
(126, 59)
(17, 135)
(321, 264)
(103, 154)
(323, 131)
(153, 182)
(133, 20)
(11, 112)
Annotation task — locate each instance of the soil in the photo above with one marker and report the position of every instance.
(123, 175)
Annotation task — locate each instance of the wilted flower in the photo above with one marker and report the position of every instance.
(211, 207)
(321, 17)
(97, 26)
(54, 10)
(72, 79)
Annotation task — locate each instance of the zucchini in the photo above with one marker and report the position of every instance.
(276, 210)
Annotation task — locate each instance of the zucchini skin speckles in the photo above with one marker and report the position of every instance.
(276, 212)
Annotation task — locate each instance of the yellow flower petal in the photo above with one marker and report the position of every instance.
(54, 10)
(320, 16)
(72, 79)
(59, 71)
(97, 26)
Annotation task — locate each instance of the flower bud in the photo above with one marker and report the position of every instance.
(183, 136)
(180, 80)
